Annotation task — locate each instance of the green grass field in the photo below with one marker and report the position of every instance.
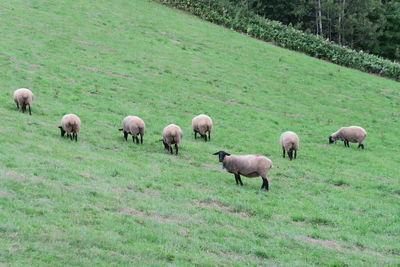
(107, 202)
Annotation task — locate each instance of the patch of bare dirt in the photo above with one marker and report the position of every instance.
(87, 175)
(292, 114)
(326, 243)
(211, 166)
(219, 206)
(84, 42)
(154, 217)
(233, 102)
(162, 32)
(14, 174)
(175, 41)
(106, 72)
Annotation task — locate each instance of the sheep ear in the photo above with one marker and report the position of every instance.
(216, 153)
(120, 129)
(60, 127)
(227, 154)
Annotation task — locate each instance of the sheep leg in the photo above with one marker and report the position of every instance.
(361, 145)
(133, 139)
(209, 136)
(295, 154)
(71, 136)
(170, 150)
(176, 149)
(240, 180)
(76, 137)
(30, 113)
(137, 140)
(283, 152)
(265, 184)
(205, 137)
(23, 108)
(236, 179)
(126, 135)
(141, 138)
(195, 135)
(290, 153)
(17, 105)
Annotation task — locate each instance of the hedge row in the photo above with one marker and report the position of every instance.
(225, 13)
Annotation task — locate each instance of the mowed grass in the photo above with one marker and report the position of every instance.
(103, 201)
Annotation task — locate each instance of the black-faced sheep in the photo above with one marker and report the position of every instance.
(23, 97)
(134, 126)
(247, 165)
(289, 142)
(172, 135)
(201, 125)
(70, 124)
(354, 134)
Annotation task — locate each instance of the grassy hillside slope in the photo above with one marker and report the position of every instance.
(103, 201)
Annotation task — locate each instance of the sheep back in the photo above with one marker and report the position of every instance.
(23, 97)
(202, 123)
(289, 140)
(70, 123)
(172, 134)
(248, 165)
(133, 125)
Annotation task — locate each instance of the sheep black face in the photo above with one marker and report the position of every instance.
(221, 154)
(331, 140)
(62, 130)
(166, 146)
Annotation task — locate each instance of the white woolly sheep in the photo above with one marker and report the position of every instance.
(247, 165)
(289, 142)
(134, 126)
(172, 135)
(70, 124)
(201, 125)
(23, 97)
(354, 134)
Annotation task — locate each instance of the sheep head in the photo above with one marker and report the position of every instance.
(62, 130)
(221, 154)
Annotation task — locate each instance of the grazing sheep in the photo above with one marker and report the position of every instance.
(202, 124)
(133, 125)
(354, 134)
(23, 97)
(172, 135)
(70, 124)
(289, 141)
(247, 165)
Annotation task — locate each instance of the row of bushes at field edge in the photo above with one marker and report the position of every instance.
(225, 13)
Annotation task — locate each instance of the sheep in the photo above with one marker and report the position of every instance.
(133, 125)
(202, 124)
(23, 97)
(247, 165)
(354, 134)
(172, 135)
(289, 141)
(70, 124)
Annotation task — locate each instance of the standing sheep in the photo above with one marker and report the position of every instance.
(354, 134)
(247, 165)
(289, 142)
(202, 124)
(172, 135)
(23, 97)
(70, 124)
(133, 125)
